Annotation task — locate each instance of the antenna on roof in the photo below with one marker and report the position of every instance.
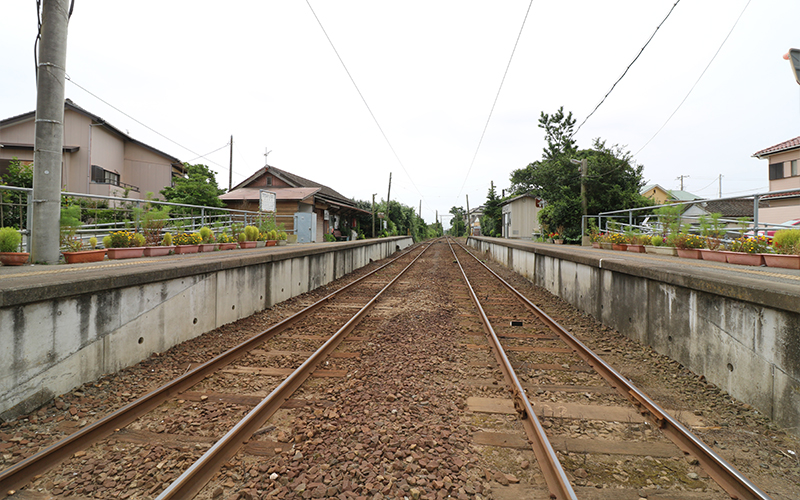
(267, 151)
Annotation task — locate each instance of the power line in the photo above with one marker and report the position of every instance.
(698, 80)
(364, 101)
(211, 153)
(140, 123)
(626, 69)
(495, 99)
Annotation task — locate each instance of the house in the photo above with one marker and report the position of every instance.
(521, 216)
(98, 157)
(332, 211)
(659, 195)
(474, 217)
(783, 175)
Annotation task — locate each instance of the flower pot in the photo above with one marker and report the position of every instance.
(713, 255)
(181, 249)
(208, 247)
(745, 259)
(595, 244)
(781, 260)
(689, 253)
(558, 242)
(272, 243)
(247, 244)
(636, 248)
(14, 258)
(157, 251)
(281, 243)
(605, 245)
(84, 256)
(621, 247)
(227, 246)
(125, 253)
(652, 249)
(261, 244)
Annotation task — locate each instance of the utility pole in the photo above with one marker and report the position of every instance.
(681, 179)
(469, 229)
(388, 194)
(49, 132)
(373, 214)
(420, 209)
(230, 169)
(720, 185)
(584, 205)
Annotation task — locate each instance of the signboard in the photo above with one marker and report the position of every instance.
(267, 201)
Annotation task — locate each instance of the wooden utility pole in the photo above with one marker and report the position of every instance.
(681, 179)
(230, 168)
(389, 193)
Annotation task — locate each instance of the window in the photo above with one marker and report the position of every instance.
(775, 171)
(269, 180)
(103, 176)
(794, 168)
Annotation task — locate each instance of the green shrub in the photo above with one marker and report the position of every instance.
(93, 242)
(787, 241)
(167, 240)
(251, 233)
(107, 241)
(657, 241)
(207, 235)
(9, 239)
(329, 237)
(137, 240)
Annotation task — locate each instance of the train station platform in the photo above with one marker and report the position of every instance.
(63, 325)
(739, 326)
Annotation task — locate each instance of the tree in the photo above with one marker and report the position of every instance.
(198, 187)
(612, 181)
(14, 204)
(457, 225)
(492, 220)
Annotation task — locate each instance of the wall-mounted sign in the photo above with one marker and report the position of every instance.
(267, 201)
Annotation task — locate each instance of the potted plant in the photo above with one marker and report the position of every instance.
(124, 245)
(272, 238)
(747, 251)
(153, 223)
(637, 242)
(248, 238)
(10, 255)
(73, 249)
(165, 247)
(282, 237)
(208, 243)
(187, 242)
(226, 241)
(786, 243)
(689, 245)
(658, 247)
(261, 242)
(618, 241)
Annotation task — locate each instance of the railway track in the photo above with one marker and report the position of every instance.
(521, 335)
(318, 328)
(405, 398)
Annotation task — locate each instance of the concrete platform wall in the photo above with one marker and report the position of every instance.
(50, 346)
(745, 341)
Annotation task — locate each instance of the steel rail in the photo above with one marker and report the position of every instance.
(19, 474)
(555, 477)
(199, 473)
(725, 474)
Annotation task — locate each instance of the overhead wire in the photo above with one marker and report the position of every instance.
(364, 100)
(140, 123)
(496, 97)
(626, 69)
(698, 79)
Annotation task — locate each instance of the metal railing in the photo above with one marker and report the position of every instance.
(101, 215)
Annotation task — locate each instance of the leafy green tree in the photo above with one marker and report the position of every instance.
(457, 225)
(492, 220)
(14, 205)
(198, 187)
(612, 181)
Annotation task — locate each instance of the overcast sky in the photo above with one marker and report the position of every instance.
(198, 72)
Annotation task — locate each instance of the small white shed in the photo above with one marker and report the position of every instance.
(521, 216)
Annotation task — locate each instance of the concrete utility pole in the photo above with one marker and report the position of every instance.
(469, 226)
(681, 179)
(388, 194)
(720, 185)
(373, 214)
(230, 168)
(49, 132)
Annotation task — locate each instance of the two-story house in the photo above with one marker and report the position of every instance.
(784, 174)
(98, 157)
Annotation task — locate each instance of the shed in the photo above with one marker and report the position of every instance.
(521, 216)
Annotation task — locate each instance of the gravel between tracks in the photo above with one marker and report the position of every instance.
(393, 427)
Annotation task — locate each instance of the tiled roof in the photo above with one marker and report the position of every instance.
(252, 194)
(778, 148)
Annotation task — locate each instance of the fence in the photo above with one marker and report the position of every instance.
(101, 215)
